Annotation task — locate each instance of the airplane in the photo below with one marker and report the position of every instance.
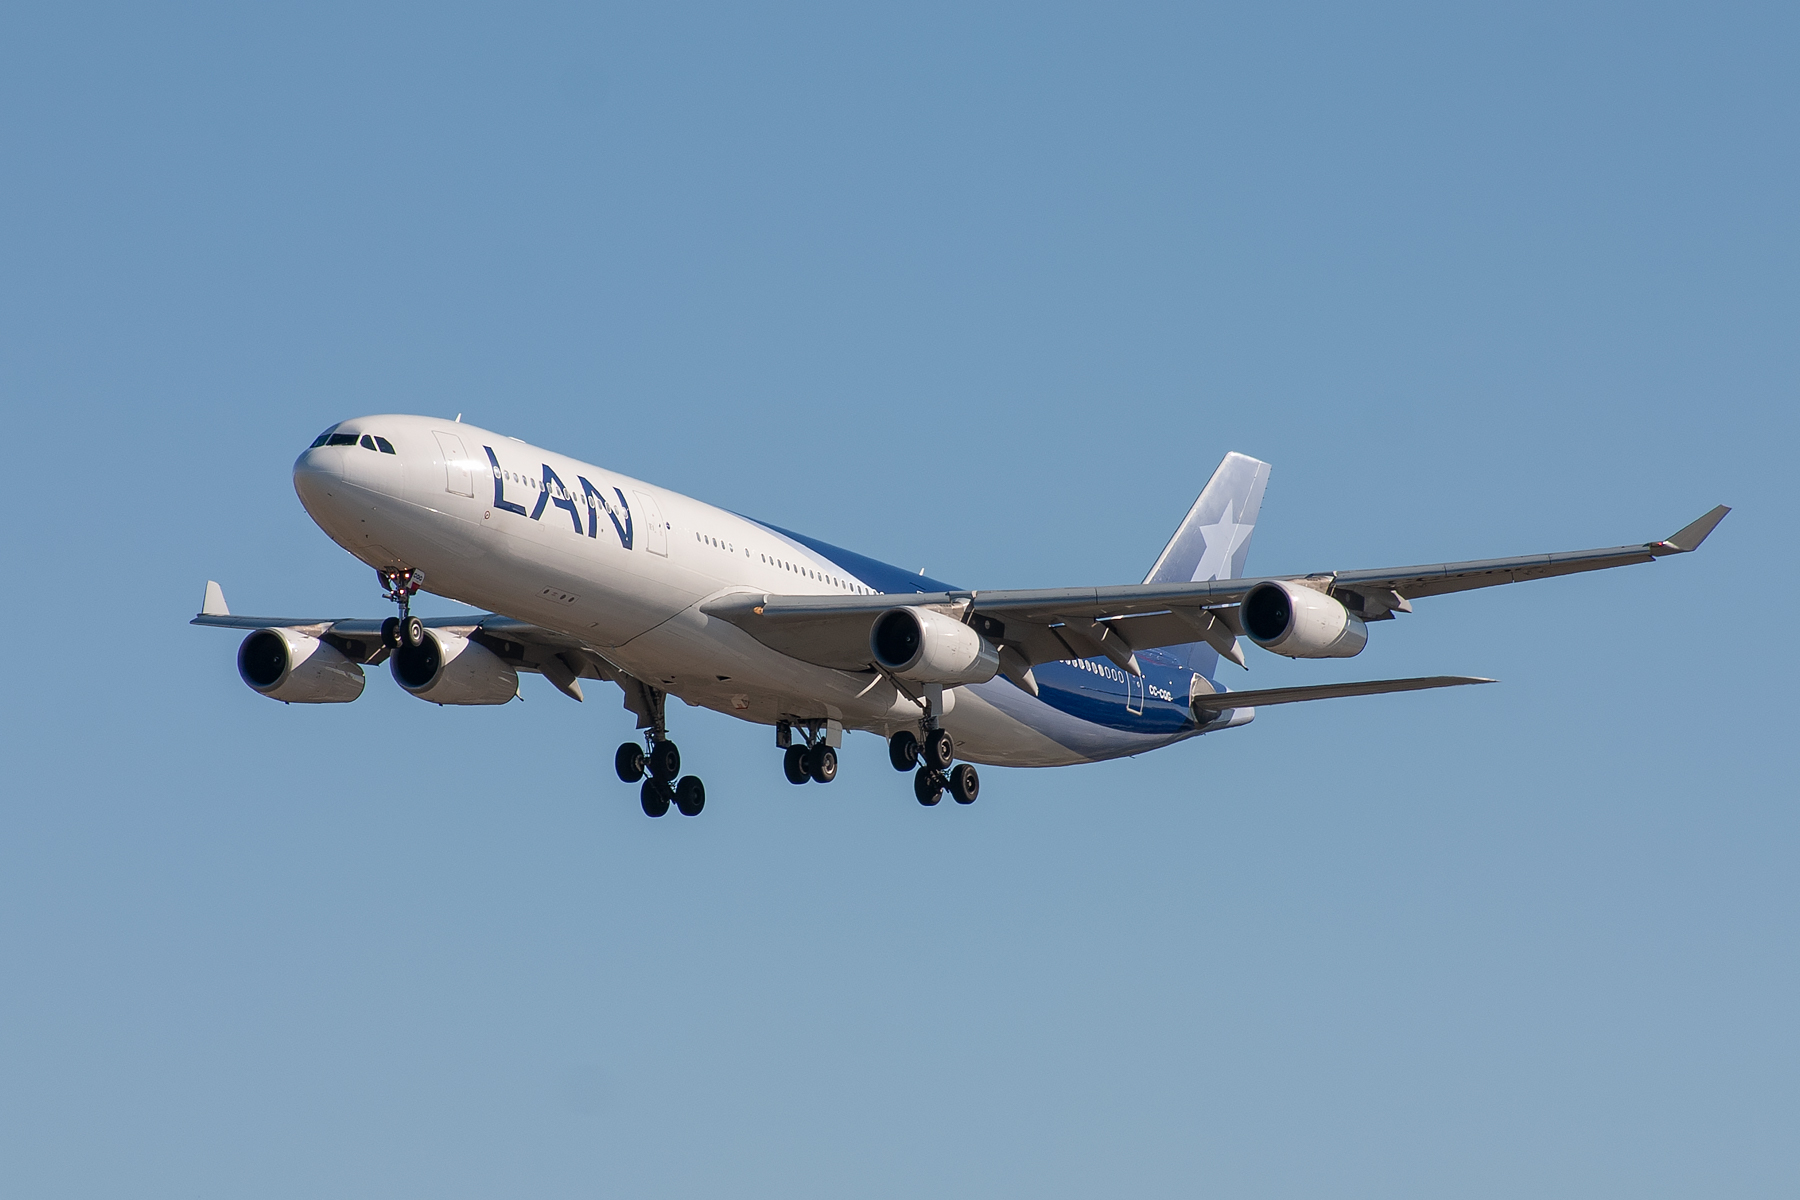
(587, 574)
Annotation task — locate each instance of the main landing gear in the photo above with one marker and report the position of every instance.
(938, 750)
(816, 761)
(660, 769)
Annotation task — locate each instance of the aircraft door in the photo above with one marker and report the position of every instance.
(459, 480)
(655, 528)
(1134, 693)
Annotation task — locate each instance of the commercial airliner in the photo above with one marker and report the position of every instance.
(590, 575)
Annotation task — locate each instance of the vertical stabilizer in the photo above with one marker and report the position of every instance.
(1213, 541)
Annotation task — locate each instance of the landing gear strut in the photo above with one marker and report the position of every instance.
(658, 763)
(404, 632)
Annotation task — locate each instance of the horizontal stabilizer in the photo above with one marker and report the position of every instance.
(1225, 701)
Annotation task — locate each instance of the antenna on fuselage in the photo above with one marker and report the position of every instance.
(459, 418)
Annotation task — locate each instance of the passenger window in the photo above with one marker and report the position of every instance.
(386, 446)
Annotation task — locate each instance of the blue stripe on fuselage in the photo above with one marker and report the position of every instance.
(1095, 690)
(877, 574)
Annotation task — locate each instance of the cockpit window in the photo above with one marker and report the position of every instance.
(368, 441)
(386, 446)
(341, 439)
(321, 439)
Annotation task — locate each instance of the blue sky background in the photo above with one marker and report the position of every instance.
(985, 290)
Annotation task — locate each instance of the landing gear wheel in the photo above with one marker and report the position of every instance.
(793, 764)
(965, 784)
(655, 797)
(690, 796)
(928, 786)
(665, 761)
(412, 633)
(390, 633)
(821, 764)
(940, 750)
(903, 750)
(629, 762)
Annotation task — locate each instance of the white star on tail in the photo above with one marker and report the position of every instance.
(1222, 539)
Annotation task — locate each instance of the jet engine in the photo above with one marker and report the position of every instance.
(923, 646)
(297, 669)
(447, 669)
(1298, 622)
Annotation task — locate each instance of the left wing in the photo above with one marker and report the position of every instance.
(1049, 624)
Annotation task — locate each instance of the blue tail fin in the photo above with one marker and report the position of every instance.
(1214, 539)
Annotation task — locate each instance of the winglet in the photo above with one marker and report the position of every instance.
(1689, 537)
(214, 604)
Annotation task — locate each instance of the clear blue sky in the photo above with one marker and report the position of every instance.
(989, 291)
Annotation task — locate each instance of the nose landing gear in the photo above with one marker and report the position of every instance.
(404, 632)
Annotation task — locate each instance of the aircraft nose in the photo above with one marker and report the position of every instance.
(318, 473)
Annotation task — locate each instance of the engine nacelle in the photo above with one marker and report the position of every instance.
(448, 669)
(923, 646)
(297, 669)
(1298, 622)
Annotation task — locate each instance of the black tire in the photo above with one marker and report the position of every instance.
(940, 749)
(965, 784)
(903, 750)
(793, 764)
(412, 633)
(665, 761)
(629, 762)
(821, 764)
(690, 796)
(390, 633)
(654, 797)
(928, 786)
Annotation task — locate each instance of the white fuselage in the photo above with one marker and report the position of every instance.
(624, 566)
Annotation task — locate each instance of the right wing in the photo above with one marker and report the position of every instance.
(561, 659)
